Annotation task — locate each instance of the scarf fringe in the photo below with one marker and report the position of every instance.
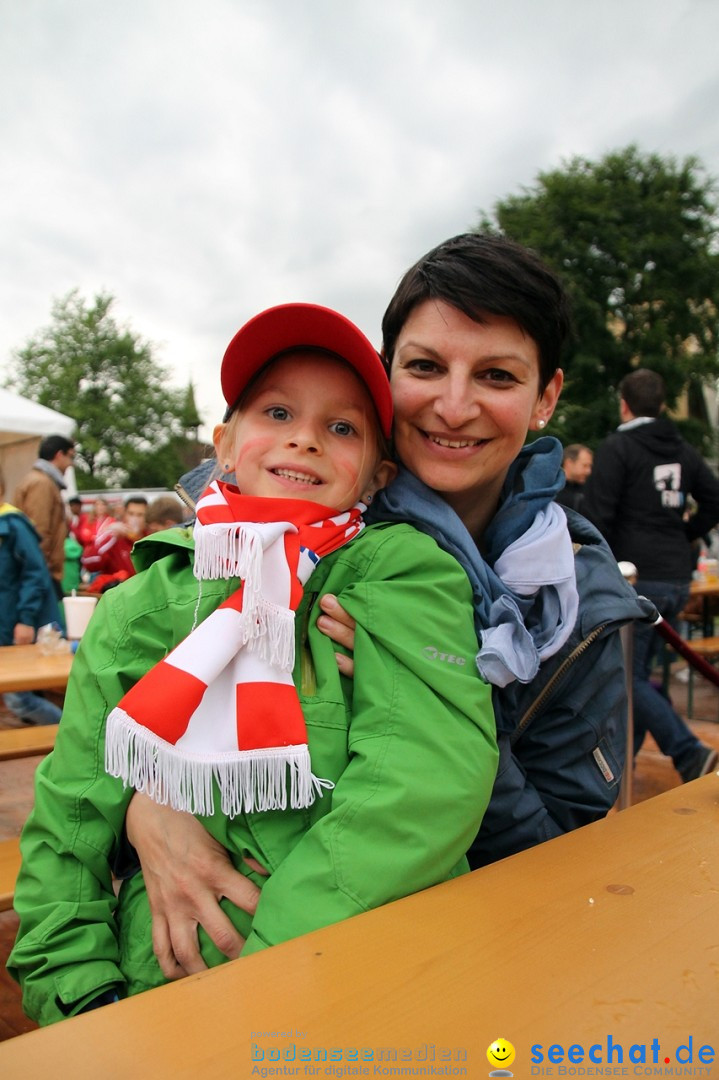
(228, 550)
(269, 631)
(249, 781)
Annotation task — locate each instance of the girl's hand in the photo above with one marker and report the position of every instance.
(186, 874)
(340, 628)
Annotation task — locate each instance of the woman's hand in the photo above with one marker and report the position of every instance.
(340, 628)
(186, 874)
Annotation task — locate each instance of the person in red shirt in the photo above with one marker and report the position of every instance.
(108, 556)
(90, 525)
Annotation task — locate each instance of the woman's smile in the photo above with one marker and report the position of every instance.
(451, 443)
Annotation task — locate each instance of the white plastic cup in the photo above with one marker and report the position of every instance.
(78, 610)
(711, 571)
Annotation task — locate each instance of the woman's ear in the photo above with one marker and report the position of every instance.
(547, 401)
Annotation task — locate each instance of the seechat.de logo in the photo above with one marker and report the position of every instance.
(610, 1052)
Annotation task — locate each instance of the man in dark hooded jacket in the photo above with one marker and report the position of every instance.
(637, 496)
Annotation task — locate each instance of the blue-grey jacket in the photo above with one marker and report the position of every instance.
(563, 736)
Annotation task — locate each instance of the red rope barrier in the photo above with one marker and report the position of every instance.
(684, 649)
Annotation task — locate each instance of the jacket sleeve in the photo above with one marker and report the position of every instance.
(66, 951)
(35, 504)
(34, 577)
(604, 487)
(99, 556)
(422, 751)
(705, 492)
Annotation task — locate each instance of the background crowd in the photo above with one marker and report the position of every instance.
(51, 547)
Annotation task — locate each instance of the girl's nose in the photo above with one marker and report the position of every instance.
(305, 438)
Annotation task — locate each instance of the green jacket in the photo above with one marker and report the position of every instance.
(410, 746)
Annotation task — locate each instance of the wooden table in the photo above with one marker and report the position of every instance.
(24, 667)
(707, 590)
(609, 932)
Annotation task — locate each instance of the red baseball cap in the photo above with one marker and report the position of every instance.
(304, 326)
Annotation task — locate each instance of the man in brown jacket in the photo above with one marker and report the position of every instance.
(38, 496)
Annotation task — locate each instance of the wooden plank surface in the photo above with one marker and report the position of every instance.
(27, 741)
(24, 667)
(610, 932)
(9, 866)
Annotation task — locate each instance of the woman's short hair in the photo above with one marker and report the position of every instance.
(482, 274)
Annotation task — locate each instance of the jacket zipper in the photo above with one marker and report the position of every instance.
(308, 675)
(185, 497)
(558, 674)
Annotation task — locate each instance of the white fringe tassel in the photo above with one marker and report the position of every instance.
(226, 551)
(269, 631)
(248, 780)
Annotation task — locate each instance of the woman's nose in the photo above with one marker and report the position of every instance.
(456, 404)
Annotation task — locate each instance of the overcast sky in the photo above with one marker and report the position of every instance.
(203, 159)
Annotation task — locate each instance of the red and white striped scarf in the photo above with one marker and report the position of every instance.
(221, 707)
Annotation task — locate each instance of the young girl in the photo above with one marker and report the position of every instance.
(350, 794)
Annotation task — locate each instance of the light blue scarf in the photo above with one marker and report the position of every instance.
(525, 594)
(50, 470)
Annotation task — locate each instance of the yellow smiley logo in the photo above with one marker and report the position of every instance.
(500, 1052)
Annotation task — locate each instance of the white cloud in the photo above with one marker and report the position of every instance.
(201, 161)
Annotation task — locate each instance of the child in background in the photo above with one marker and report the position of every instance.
(225, 700)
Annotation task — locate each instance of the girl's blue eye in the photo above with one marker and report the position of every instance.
(342, 427)
(278, 412)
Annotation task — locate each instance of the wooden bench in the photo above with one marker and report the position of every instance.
(9, 868)
(708, 648)
(17, 743)
(27, 741)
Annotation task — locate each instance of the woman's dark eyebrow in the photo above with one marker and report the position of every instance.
(419, 345)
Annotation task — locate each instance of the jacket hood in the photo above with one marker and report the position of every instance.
(192, 484)
(157, 545)
(11, 514)
(660, 437)
(605, 596)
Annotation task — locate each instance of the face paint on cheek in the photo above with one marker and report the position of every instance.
(352, 475)
(249, 449)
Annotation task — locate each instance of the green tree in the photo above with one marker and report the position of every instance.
(634, 237)
(105, 377)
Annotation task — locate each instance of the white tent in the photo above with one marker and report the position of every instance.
(23, 424)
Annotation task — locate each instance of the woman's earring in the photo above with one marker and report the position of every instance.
(226, 466)
(541, 424)
(367, 499)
